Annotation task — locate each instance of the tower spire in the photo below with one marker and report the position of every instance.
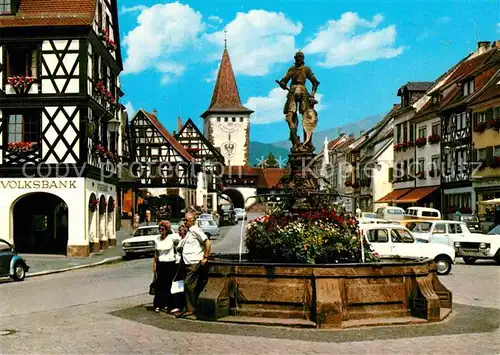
(225, 38)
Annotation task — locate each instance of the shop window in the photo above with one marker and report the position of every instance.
(22, 61)
(23, 128)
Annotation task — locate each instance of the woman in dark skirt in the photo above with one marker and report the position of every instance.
(164, 268)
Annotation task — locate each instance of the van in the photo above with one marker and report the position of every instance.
(422, 213)
(390, 213)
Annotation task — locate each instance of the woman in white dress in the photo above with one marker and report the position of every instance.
(164, 268)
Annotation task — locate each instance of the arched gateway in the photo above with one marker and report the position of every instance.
(40, 224)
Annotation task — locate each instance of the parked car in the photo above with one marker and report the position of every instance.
(142, 242)
(393, 240)
(241, 214)
(470, 246)
(470, 220)
(390, 213)
(373, 220)
(11, 264)
(227, 215)
(209, 227)
(422, 213)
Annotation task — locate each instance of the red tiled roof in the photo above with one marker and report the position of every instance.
(491, 91)
(226, 96)
(469, 66)
(174, 142)
(51, 13)
(269, 178)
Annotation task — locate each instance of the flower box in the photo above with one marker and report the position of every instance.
(420, 142)
(434, 138)
(480, 127)
(21, 147)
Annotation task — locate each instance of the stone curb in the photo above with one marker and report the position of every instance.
(102, 262)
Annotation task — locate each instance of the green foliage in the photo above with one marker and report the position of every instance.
(312, 237)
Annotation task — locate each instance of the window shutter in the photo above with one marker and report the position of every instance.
(489, 155)
(33, 64)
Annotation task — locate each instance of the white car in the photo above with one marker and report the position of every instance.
(469, 246)
(240, 214)
(143, 241)
(393, 240)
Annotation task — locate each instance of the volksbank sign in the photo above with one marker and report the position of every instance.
(38, 184)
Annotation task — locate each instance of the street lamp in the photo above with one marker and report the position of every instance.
(114, 125)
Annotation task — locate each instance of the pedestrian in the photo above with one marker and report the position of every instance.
(180, 297)
(194, 253)
(164, 268)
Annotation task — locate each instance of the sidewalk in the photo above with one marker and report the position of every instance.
(47, 264)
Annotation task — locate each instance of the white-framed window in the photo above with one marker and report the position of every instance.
(5, 6)
(422, 132)
(481, 154)
(468, 87)
(481, 117)
(435, 128)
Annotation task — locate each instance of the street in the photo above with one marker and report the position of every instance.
(101, 310)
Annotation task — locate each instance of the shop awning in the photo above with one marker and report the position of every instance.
(417, 194)
(393, 195)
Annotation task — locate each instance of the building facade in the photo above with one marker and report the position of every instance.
(60, 130)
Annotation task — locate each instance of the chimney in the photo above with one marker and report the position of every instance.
(155, 113)
(496, 44)
(341, 134)
(483, 46)
(179, 123)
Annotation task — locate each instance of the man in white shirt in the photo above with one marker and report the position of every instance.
(195, 251)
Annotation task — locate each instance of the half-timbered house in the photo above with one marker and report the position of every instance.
(160, 162)
(59, 124)
(210, 160)
(456, 127)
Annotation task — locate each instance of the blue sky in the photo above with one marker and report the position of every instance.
(361, 52)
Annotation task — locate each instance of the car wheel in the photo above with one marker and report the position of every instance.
(19, 272)
(469, 260)
(443, 265)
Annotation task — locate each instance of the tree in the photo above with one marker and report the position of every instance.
(271, 161)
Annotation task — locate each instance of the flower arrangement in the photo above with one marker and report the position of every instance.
(20, 147)
(495, 163)
(104, 36)
(434, 138)
(480, 127)
(100, 150)
(348, 184)
(93, 203)
(102, 206)
(20, 80)
(106, 94)
(420, 142)
(398, 147)
(111, 205)
(465, 210)
(311, 237)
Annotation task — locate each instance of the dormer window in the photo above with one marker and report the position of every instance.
(436, 99)
(468, 87)
(5, 6)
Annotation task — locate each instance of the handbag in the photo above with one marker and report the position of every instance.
(152, 288)
(177, 287)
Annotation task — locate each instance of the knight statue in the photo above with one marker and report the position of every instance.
(300, 101)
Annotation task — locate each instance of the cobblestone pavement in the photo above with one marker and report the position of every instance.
(102, 311)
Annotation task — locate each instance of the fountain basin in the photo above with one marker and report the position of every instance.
(324, 296)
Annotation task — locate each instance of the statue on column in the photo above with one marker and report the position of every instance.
(300, 101)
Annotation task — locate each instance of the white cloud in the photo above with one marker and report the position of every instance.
(214, 18)
(269, 109)
(257, 40)
(352, 40)
(162, 32)
(130, 109)
(135, 8)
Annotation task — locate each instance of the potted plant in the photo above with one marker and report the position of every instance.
(434, 138)
(420, 142)
(93, 203)
(480, 127)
